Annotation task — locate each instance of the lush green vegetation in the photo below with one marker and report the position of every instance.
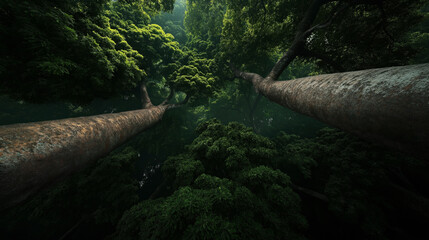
(258, 172)
(231, 183)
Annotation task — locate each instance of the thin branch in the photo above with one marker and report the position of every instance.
(181, 104)
(254, 78)
(170, 95)
(304, 31)
(186, 100)
(252, 111)
(146, 103)
(298, 41)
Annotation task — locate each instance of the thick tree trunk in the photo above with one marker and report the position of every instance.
(35, 154)
(387, 106)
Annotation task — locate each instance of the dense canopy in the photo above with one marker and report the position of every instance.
(222, 160)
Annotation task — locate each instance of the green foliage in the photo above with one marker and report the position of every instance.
(86, 50)
(353, 175)
(63, 50)
(99, 195)
(204, 18)
(173, 22)
(195, 78)
(251, 33)
(153, 6)
(419, 37)
(158, 48)
(203, 22)
(182, 170)
(369, 36)
(164, 61)
(221, 192)
(113, 178)
(229, 148)
(297, 152)
(229, 183)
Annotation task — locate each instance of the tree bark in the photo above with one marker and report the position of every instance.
(33, 155)
(387, 106)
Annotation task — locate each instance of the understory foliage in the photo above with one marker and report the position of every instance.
(231, 183)
(365, 187)
(97, 196)
(223, 189)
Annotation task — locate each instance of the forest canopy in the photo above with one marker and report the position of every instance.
(225, 162)
(81, 50)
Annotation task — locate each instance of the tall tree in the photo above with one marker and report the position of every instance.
(377, 105)
(35, 154)
(121, 44)
(326, 97)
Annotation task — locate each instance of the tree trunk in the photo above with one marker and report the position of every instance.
(35, 154)
(387, 106)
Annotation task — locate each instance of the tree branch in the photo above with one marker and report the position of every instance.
(181, 104)
(170, 95)
(245, 75)
(252, 111)
(304, 31)
(299, 40)
(146, 103)
(254, 78)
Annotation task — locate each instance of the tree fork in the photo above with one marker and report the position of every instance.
(386, 106)
(33, 155)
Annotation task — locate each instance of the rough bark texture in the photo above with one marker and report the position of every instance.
(388, 106)
(35, 154)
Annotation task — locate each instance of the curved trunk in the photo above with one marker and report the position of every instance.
(35, 154)
(388, 106)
